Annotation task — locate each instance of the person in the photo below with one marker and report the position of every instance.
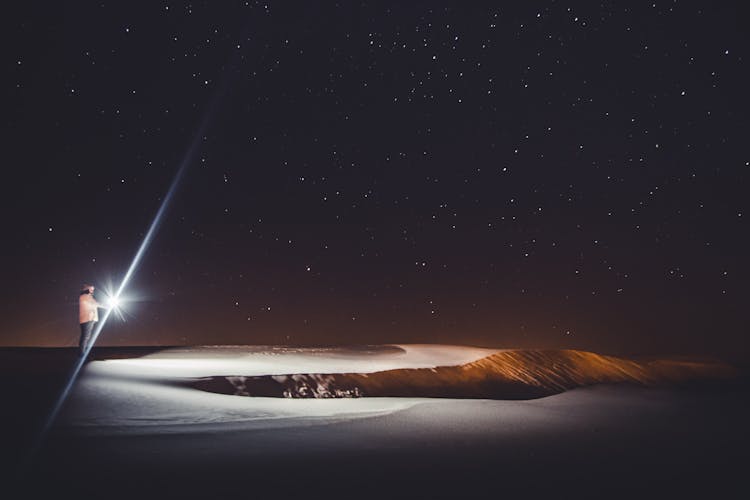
(88, 315)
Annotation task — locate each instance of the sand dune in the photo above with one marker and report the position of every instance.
(513, 374)
(134, 421)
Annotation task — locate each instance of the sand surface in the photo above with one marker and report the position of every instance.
(130, 434)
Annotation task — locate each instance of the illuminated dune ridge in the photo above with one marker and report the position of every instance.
(512, 374)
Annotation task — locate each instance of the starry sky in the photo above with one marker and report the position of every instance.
(536, 174)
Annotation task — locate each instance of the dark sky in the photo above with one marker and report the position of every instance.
(542, 174)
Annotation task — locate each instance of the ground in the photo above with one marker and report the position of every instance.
(600, 441)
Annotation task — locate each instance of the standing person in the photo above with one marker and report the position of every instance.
(88, 315)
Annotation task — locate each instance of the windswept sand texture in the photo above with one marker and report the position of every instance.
(512, 374)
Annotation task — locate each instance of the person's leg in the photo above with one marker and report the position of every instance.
(82, 338)
(86, 329)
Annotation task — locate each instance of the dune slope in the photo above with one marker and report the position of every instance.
(513, 374)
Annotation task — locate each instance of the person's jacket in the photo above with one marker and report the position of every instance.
(87, 308)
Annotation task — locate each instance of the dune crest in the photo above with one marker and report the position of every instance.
(512, 374)
(565, 369)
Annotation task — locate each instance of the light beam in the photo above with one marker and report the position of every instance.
(115, 298)
(145, 243)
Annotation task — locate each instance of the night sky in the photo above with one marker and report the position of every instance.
(542, 174)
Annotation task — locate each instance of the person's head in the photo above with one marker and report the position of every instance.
(87, 288)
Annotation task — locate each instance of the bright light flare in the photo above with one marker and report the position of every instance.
(113, 302)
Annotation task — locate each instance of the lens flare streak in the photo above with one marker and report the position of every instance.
(116, 297)
(187, 159)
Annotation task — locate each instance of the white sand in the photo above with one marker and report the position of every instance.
(130, 424)
(144, 395)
